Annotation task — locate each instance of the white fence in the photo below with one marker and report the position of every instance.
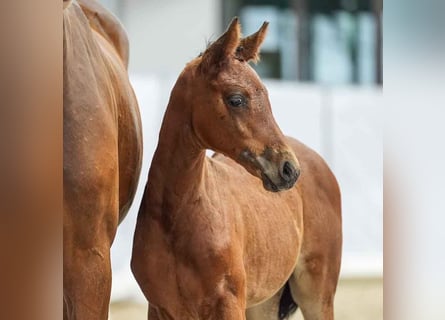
(344, 124)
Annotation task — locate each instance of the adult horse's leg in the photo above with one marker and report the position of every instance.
(90, 222)
(88, 284)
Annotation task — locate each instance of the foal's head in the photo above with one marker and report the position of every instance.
(231, 112)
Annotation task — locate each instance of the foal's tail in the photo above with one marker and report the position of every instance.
(287, 304)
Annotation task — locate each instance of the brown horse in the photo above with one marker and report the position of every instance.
(102, 148)
(215, 237)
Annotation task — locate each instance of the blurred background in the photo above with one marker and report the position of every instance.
(322, 65)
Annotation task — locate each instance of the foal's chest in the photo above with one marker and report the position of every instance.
(188, 260)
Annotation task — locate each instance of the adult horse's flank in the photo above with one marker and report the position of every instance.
(212, 241)
(102, 149)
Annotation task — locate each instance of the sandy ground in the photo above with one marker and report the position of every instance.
(356, 299)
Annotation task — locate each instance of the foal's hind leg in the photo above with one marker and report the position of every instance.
(314, 280)
(313, 285)
(267, 310)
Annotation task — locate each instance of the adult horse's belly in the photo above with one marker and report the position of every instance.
(272, 225)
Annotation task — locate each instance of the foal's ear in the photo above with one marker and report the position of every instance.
(249, 47)
(222, 49)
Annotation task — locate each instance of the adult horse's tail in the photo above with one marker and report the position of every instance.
(287, 304)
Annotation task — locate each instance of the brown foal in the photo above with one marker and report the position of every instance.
(232, 237)
(102, 149)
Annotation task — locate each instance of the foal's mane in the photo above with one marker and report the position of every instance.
(208, 43)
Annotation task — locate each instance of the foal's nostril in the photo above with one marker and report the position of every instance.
(288, 172)
(297, 173)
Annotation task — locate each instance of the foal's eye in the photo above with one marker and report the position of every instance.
(236, 101)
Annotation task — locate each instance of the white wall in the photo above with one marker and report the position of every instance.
(343, 124)
(166, 34)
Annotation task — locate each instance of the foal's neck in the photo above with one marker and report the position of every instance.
(178, 166)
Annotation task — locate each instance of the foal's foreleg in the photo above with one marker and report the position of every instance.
(226, 307)
(153, 314)
(226, 299)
